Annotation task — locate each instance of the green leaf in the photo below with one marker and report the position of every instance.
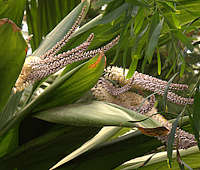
(139, 3)
(95, 114)
(9, 142)
(60, 30)
(10, 107)
(171, 69)
(189, 10)
(182, 68)
(172, 21)
(167, 5)
(75, 86)
(176, 21)
(184, 39)
(104, 134)
(114, 14)
(132, 67)
(154, 22)
(44, 151)
(112, 154)
(146, 122)
(171, 137)
(167, 88)
(139, 19)
(159, 62)
(92, 114)
(65, 90)
(136, 52)
(153, 41)
(159, 160)
(13, 9)
(195, 117)
(41, 18)
(12, 55)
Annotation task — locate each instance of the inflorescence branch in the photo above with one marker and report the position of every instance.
(66, 38)
(36, 68)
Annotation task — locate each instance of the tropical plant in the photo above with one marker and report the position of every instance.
(60, 109)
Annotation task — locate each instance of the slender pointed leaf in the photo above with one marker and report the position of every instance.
(43, 152)
(9, 142)
(184, 39)
(114, 14)
(159, 160)
(132, 68)
(91, 114)
(154, 41)
(139, 19)
(159, 62)
(195, 118)
(101, 137)
(171, 137)
(112, 154)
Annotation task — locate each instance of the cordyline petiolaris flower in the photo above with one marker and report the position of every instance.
(36, 68)
(106, 91)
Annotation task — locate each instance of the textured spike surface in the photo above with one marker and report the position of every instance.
(141, 81)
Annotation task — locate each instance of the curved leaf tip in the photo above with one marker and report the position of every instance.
(14, 26)
(158, 131)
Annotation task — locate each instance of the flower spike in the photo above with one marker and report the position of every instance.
(37, 68)
(149, 83)
(66, 38)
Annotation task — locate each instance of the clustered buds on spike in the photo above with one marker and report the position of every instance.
(146, 82)
(183, 140)
(37, 68)
(105, 90)
(114, 90)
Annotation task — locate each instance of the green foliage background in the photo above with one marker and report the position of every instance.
(37, 132)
